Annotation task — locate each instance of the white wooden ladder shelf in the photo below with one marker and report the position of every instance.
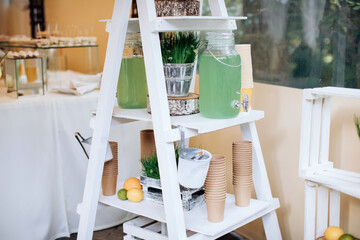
(322, 209)
(178, 222)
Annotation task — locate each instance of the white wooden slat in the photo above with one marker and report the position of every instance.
(194, 124)
(139, 221)
(322, 205)
(133, 26)
(173, 25)
(309, 211)
(196, 219)
(183, 23)
(200, 237)
(325, 131)
(128, 237)
(271, 226)
(194, 121)
(218, 8)
(318, 168)
(339, 185)
(336, 91)
(163, 229)
(155, 227)
(161, 121)
(343, 177)
(306, 116)
(102, 124)
(334, 208)
(143, 233)
(345, 173)
(260, 179)
(334, 180)
(315, 132)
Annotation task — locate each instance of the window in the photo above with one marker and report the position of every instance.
(301, 43)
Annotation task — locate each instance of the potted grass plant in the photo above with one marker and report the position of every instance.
(150, 164)
(179, 51)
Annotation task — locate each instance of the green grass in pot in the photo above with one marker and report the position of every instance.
(179, 47)
(357, 124)
(150, 164)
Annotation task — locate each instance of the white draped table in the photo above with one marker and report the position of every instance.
(43, 168)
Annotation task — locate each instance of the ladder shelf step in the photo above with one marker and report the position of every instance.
(184, 23)
(343, 181)
(194, 124)
(196, 219)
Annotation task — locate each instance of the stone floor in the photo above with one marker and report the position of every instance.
(116, 233)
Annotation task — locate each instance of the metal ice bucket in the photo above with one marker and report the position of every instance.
(178, 78)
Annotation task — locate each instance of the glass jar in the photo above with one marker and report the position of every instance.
(132, 87)
(219, 77)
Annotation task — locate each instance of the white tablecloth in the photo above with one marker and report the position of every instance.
(43, 169)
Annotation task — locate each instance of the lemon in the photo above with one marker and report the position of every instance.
(135, 195)
(333, 233)
(132, 182)
(122, 194)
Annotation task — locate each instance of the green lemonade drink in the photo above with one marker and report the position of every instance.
(218, 85)
(132, 88)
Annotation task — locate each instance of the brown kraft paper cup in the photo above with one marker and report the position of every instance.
(108, 184)
(111, 166)
(109, 178)
(242, 195)
(215, 210)
(147, 142)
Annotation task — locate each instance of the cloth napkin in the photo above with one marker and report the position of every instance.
(77, 84)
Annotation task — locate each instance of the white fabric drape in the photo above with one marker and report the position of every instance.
(43, 168)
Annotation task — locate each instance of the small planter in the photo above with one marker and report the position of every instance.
(190, 198)
(178, 78)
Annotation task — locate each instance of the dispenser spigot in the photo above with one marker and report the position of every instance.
(244, 104)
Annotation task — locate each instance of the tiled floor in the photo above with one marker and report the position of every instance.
(116, 233)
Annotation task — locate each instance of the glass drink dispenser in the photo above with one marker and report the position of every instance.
(132, 87)
(219, 77)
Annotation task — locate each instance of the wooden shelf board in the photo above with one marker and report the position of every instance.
(195, 121)
(343, 181)
(184, 23)
(196, 219)
(335, 92)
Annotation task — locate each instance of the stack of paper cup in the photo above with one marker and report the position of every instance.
(110, 172)
(242, 172)
(147, 142)
(215, 189)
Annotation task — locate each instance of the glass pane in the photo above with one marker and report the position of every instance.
(301, 43)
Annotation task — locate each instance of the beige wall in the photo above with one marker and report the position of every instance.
(14, 19)
(279, 134)
(80, 13)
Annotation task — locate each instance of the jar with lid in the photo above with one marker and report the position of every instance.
(219, 77)
(132, 86)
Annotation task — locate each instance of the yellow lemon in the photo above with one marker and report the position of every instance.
(333, 233)
(135, 195)
(132, 182)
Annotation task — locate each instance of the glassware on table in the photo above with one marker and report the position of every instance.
(25, 76)
(219, 77)
(132, 87)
